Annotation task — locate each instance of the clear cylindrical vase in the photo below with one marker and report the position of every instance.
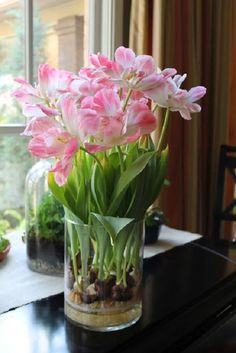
(103, 273)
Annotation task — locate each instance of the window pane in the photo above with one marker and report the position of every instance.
(59, 33)
(11, 58)
(14, 165)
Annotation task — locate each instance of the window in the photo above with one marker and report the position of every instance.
(60, 32)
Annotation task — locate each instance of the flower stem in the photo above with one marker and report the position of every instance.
(155, 108)
(92, 155)
(162, 142)
(127, 99)
(122, 167)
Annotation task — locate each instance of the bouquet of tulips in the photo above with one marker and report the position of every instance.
(96, 125)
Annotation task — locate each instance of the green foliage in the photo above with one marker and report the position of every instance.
(49, 220)
(110, 191)
(3, 243)
(9, 219)
(4, 226)
(102, 187)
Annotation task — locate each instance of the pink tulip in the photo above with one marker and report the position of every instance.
(79, 123)
(183, 101)
(125, 57)
(139, 118)
(39, 125)
(62, 170)
(107, 103)
(145, 65)
(51, 143)
(27, 93)
(38, 110)
(52, 82)
(103, 65)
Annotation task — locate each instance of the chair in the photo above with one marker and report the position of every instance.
(227, 161)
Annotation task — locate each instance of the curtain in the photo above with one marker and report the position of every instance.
(197, 38)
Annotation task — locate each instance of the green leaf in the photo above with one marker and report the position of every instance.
(74, 247)
(111, 230)
(83, 232)
(113, 225)
(125, 179)
(58, 191)
(70, 216)
(162, 168)
(98, 189)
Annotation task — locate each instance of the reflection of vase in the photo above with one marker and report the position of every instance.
(103, 273)
(44, 223)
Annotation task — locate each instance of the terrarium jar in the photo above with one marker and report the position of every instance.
(44, 217)
(103, 274)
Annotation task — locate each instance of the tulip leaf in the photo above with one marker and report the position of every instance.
(58, 191)
(126, 177)
(113, 225)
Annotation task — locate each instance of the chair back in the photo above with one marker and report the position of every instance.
(227, 161)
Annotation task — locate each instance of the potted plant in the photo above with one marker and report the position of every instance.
(4, 243)
(107, 172)
(154, 219)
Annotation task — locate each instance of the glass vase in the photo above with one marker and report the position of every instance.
(44, 217)
(103, 274)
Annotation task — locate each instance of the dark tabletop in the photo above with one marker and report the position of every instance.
(188, 292)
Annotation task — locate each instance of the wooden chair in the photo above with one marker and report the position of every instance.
(227, 161)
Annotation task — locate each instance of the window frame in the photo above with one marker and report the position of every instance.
(105, 33)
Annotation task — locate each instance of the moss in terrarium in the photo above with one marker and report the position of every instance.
(48, 222)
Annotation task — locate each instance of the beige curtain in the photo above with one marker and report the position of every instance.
(195, 37)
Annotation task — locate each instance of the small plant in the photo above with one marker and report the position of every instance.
(154, 217)
(4, 226)
(49, 220)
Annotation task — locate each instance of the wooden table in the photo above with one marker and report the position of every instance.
(189, 292)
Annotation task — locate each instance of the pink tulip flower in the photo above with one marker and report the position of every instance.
(39, 125)
(27, 93)
(139, 119)
(62, 170)
(106, 104)
(53, 142)
(53, 82)
(38, 110)
(80, 123)
(183, 101)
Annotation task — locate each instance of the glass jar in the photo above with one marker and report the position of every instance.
(44, 217)
(103, 274)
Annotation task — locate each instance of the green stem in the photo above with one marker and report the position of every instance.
(162, 142)
(72, 234)
(127, 258)
(122, 167)
(155, 108)
(127, 99)
(92, 155)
